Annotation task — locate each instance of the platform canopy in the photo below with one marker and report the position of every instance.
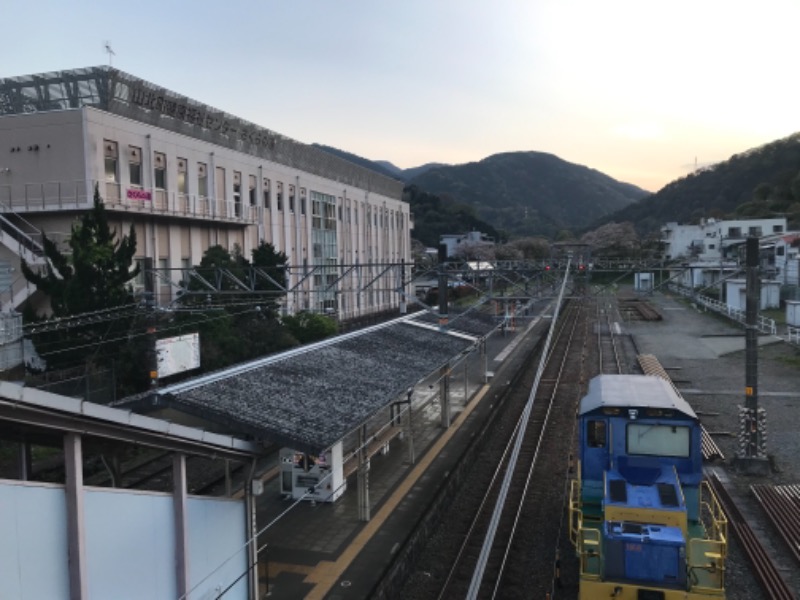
(311, 397)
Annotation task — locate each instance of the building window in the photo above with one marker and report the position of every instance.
(219, 183)
(237, 186)
(302, 201)
(734, 232)
(202, 180)
(252, 189)
(110, 150)
(754, 231)
(135, 165)
(160, 170)
(779, 251)
(777, 229)
(266, 195)
(182, 185)
(291, 198)
(186, 266)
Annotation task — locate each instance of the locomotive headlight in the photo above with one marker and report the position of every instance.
(633, 413)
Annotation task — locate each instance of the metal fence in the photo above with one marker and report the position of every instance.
(763, 324)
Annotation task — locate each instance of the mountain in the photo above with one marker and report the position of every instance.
(407, 174)
(531, 193)
(390, 171)
(384, 167)
(514, 193)
(397, 171)
(760, 182)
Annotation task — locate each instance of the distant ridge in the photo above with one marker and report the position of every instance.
(531, 193)
(361, 161)
(760, 182)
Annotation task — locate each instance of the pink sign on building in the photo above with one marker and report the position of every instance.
(134, 194)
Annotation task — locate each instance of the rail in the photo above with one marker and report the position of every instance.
(764, 569)
(763, 324)
(781, 504)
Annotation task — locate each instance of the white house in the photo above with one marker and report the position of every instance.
(712, 239)
(454, 242)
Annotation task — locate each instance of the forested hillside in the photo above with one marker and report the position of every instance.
(531, 193)
(761, 182)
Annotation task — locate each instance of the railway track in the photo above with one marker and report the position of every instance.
(608, 339)
(510, 548)
(763, 568)
(781, 503)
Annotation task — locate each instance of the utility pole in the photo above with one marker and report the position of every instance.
(752, 455)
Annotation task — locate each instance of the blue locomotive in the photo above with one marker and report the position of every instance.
(644, 523)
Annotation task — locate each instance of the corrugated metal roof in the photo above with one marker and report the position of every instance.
(310, 400)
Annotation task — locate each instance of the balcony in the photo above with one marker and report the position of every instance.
(55, 196)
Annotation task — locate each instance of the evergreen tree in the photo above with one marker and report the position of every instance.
(270, 268)
(94, 276)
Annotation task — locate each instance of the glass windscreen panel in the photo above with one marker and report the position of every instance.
(658, 440)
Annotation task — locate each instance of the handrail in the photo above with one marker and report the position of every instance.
(763, 324)
(24, 239)
(65, 195)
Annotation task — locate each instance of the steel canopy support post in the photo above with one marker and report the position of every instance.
(76, 533)
(23, 460)
(179, 511)
(253, 489)
(485, 361)
(443, 318)
(410, 429)
(444, 394)
(363, 475)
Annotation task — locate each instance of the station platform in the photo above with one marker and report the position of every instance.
(322, 550)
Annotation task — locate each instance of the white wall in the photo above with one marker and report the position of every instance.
(33, 542)
(130, 544)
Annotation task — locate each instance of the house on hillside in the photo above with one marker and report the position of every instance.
(457, 243)
(713, 251)
(780, 256)
(715, 240)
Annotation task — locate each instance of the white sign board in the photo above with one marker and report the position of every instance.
(178, 354)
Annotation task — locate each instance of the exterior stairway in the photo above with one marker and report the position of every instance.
(22, 240)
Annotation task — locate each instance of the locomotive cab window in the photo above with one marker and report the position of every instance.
(596, 434)
(658, 440)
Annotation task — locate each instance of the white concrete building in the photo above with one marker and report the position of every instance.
(712, 239)
(736, 294)
(471, 239)
(783, 254)
(188, 176)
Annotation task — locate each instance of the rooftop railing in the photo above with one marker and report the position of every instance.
(76, 195)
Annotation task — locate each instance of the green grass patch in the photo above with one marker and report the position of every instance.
(792, 361)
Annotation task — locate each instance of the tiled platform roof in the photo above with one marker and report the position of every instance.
(310, 399)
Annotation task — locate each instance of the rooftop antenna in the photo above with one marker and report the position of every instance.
(109, 51)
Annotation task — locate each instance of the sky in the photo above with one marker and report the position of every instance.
(644, 91)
